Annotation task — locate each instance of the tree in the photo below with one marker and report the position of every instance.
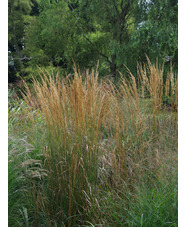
(157, 34)
(115, 32)
(86, 31)
(112, 19)
(18, 17)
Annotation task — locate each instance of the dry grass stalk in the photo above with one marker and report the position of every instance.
(151, 78)
(88, 125)
(75, 112)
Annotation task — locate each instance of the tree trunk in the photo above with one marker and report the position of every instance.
(15, 38)
(113, 65)
(17, 47)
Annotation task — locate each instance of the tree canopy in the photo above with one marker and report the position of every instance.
(118, 33)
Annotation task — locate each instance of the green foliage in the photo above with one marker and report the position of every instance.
(117, 33)
(36, 71)
(18, 18)
(157, 34)
(154, 204)
(15, 193)
(21, 171)
(17, 116)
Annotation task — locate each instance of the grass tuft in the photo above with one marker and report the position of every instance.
(103, 154)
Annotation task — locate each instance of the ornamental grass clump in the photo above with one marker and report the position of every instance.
(131, 131)
(95, 139)
(23, 171)
(162, 89)
(75, 114)
(152, 81)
